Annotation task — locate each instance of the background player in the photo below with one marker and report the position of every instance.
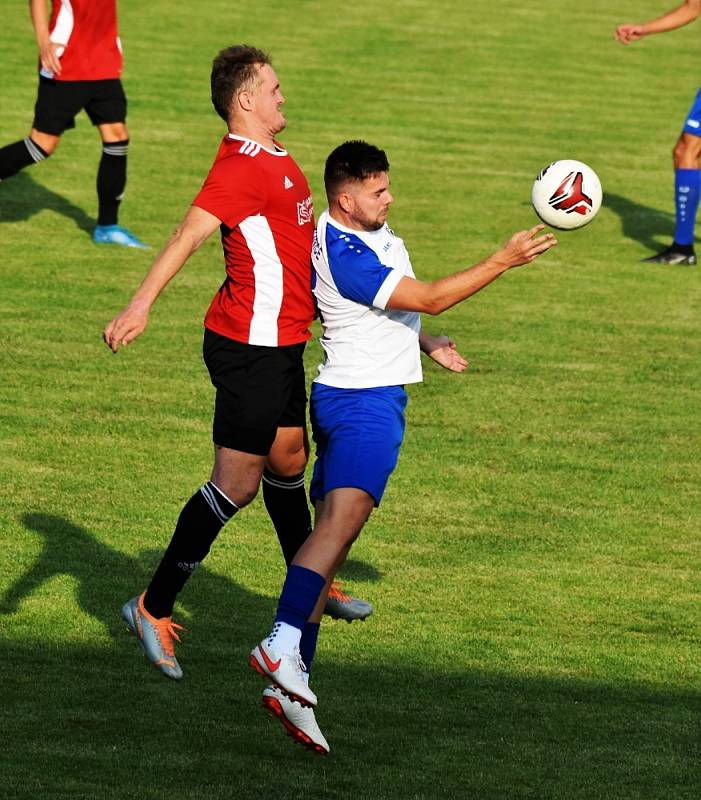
(369, 304)
(255, 333)
(688, 147)
(80, 59)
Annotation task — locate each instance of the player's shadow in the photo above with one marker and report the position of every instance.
(106, 578)
(85, 720)
(21, 197)
(648, 226)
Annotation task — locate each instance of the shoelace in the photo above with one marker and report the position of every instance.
(167, 631)
(336, 592)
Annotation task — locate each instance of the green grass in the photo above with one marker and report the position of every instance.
(535, 563)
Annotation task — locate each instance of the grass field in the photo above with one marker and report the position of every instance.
(535, 563)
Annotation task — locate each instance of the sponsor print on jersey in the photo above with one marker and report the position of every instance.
(569, 196)
(305, 211)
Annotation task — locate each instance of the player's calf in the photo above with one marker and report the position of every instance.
(15, 157)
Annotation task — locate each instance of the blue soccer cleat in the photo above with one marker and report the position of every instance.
(116, 234)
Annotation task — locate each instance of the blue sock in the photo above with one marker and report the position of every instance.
(299, 595)
(307, 646)
(686, 199)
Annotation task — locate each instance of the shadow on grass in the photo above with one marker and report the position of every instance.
(649, 226)
(106, 578)
(21, 197)
(95, 721)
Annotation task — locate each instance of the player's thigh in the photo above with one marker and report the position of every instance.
(358, 433)
(253, 388)
(57, 104)
(107, 106)
(290, 451)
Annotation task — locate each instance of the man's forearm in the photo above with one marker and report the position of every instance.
(677, 18)
(447, 292)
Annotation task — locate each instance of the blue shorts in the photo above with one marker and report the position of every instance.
(358, 434)
(693, 118)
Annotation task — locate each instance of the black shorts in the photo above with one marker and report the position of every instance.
(259, 389)
(59, 101)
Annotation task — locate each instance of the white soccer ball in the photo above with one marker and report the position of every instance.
(566, 194)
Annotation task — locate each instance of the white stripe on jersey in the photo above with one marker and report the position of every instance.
(62, 31)
(267, 273)
(250, 149)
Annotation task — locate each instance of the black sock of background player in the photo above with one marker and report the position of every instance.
(17, 156)
(286, 502)
(111, 181)
(200, 521)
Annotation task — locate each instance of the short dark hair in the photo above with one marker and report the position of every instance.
(351, 162)
(234, 70)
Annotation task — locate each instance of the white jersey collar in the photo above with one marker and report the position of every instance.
(280, 152)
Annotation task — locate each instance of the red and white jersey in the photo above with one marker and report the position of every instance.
(265, 206)
(87, 31)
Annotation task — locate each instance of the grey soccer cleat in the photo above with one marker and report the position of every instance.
(340, 605)
(298, 719)
(156, 636)
(672, 256)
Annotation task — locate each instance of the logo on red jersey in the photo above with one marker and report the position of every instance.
(305, 211)
(569, 196)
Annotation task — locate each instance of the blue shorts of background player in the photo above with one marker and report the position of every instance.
(358, 435)
(692, 124)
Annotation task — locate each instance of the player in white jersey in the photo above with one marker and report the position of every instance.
(369, 303)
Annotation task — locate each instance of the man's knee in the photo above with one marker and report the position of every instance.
(47, 141)
(686, 152)
(113, 132)
(289, 453)
(237, 474)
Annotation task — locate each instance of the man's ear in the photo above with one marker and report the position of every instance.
(244, 100)
(345, 201)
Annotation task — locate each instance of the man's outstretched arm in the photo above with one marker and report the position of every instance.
(131, 322)
(437, 296)
(676, 18)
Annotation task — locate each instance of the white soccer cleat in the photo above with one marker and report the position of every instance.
(299, 720)
(284, 669)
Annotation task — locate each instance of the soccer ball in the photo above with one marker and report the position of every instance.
(566, 194)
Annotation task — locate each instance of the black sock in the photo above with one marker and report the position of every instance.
(286, 502)
(203, 516)
(17, 156)
(686, 249)
(111, 181)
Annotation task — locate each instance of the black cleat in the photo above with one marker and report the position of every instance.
(672, 256)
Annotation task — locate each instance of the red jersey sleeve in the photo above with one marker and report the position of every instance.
(233, 191)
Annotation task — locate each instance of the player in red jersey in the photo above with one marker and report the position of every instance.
(80, 63)
(255, 333)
